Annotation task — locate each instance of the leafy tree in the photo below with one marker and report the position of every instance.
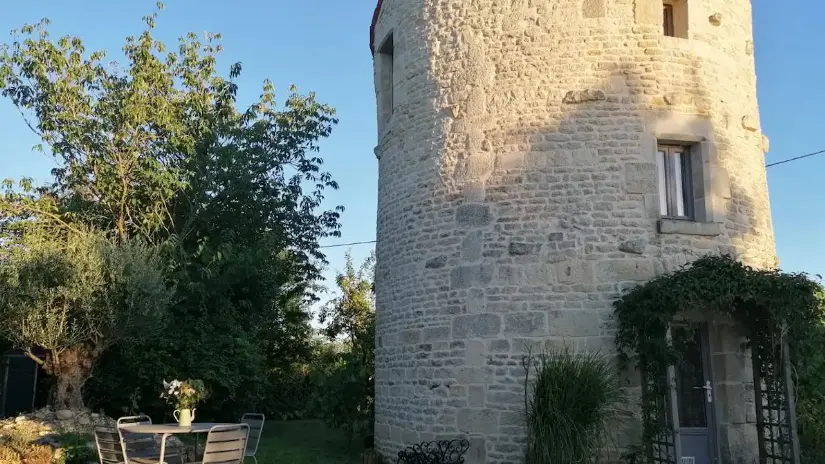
(73, 295)
(351, 312)
(347, 384)
(158, 149)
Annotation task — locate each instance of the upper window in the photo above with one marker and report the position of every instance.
(675, 182)
(386, 80)
(670, 28)
(675, 18)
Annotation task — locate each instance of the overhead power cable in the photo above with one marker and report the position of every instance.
(347, 244)
(795, 158)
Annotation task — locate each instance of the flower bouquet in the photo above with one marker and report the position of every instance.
(184, 395)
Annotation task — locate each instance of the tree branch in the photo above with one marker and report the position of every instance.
(34, 358)
(55, 217)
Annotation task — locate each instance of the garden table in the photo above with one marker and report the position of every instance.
(165, 430)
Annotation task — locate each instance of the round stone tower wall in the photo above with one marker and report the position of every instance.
(520, 193)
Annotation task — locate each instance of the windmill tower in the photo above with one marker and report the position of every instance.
(536, 158)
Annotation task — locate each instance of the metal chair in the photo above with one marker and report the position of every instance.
(109, 448)
(226, 444)
(142, 448)
(256, 427)
(136, 445)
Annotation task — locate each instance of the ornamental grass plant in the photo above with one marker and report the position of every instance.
(572, 400)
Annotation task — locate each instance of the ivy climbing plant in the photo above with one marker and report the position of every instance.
(770, 305)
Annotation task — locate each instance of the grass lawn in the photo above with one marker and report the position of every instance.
(304, 442)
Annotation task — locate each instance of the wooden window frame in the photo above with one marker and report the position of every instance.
(670, 189)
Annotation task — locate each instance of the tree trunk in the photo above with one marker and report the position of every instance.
(71, 368)
(69, 393)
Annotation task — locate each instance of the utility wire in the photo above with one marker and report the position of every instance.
(797, 158)
(347, 244)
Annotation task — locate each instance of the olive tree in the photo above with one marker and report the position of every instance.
(68, 294)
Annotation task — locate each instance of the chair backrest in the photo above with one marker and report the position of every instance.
(135, 444)
(141, 419)
(226, 444)
(256, 427)
(108, 444)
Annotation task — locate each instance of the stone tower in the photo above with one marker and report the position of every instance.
(536, 158)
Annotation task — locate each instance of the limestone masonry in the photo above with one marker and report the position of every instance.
(519, 192)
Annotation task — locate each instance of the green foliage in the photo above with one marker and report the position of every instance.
(51, 290)
(771, 306)
(350, 313)
(76, 448)
(345, 378)
(345, 394)
(107, 127)
(157, 148)
(226, 358)
(571, 403)
(63, 290)
(74, 294)
(810, 387)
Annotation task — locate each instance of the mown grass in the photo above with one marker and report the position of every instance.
(304, 442)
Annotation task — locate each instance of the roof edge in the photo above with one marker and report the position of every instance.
(372, 26)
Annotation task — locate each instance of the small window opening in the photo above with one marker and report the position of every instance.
(675, 18)
(386, 80)
(675, 182)
(669, 26)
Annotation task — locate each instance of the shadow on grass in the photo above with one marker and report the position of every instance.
(304, 442)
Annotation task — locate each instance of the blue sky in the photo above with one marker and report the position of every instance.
(322, 46)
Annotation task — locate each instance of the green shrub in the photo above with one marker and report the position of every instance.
(345, 396)
(571, 403)
(809, 377)
(76, 448)
(289, 395)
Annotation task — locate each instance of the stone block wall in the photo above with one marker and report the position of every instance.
(518, 191)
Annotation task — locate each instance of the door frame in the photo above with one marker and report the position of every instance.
(707, 371)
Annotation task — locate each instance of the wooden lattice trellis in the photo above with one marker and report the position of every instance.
(774, 404)
(662, 447)
(781, 312)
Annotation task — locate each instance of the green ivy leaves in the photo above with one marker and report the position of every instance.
(762, 300)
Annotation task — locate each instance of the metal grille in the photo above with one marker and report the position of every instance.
(688, 460)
